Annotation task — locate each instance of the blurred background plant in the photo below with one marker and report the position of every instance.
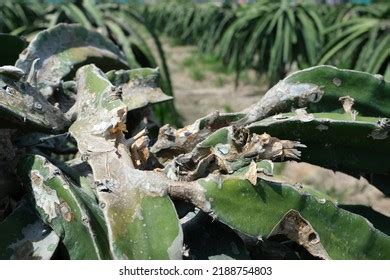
(271, 37)
(277, 37)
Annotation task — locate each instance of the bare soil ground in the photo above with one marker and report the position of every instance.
(210, 92)
(199, 92)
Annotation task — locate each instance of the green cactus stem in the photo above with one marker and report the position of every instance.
(22, 106)
(54, 55)
(270, 208)
(140, 87)
(62, 205)
(172, 142)
(333, 140)
(319, 90)
(23, 236)
(141, 220)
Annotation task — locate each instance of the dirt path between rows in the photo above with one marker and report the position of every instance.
(195, 99)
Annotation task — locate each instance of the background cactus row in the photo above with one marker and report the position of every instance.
(243, 36)
(276, 37)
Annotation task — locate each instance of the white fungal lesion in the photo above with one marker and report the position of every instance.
(337, 82)
(382, 130)
(378, 134)
(13, 71)
(303, 115)
(65, 211)
(37, 242)
(137, 213)
(322, 127)
(282, 96)
(298, 229)
(348, 102)
(176, 250)
(45, 197)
